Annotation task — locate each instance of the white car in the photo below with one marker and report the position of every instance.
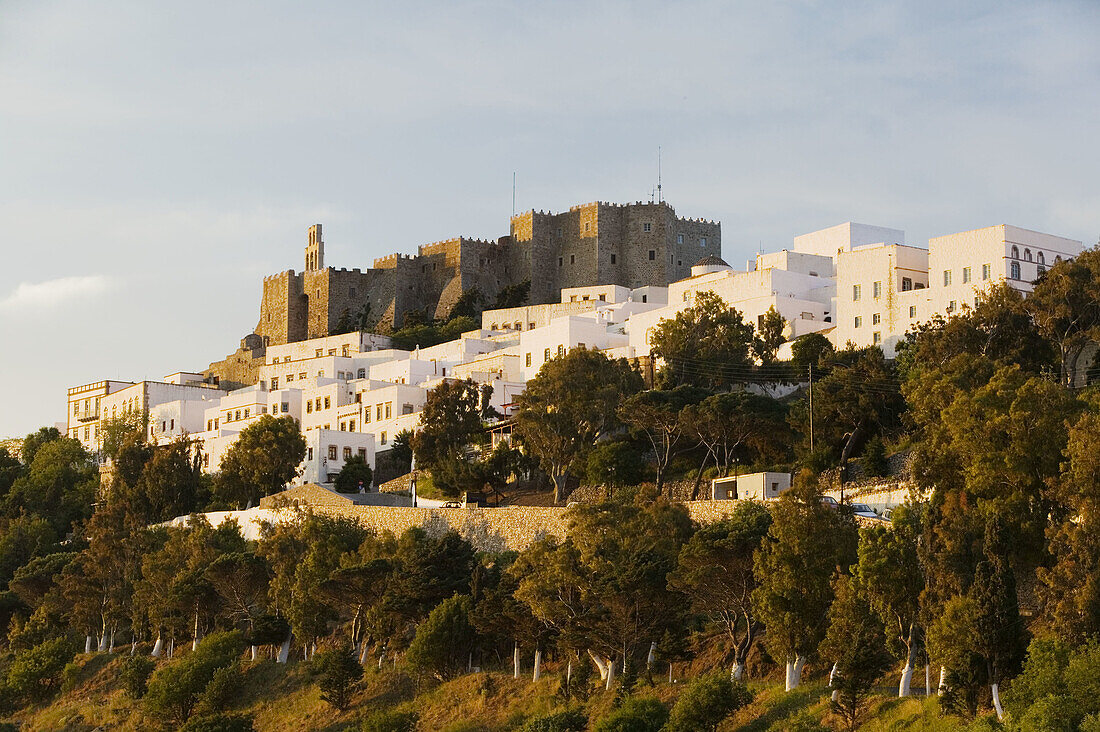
(862, 510)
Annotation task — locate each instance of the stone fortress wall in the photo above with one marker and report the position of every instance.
(592, 244)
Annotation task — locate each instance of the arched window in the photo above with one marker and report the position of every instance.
(1014, 271)
(1015, 252)
(1027, 255)
(1057, 258)
(1041, 258)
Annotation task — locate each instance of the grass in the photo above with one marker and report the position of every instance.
(285, 698)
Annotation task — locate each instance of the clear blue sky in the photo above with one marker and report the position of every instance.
(158, 158)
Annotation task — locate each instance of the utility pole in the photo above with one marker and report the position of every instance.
(811, 408)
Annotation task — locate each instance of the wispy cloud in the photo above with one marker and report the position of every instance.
(29, 296)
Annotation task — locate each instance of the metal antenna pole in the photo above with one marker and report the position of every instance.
(513, 193)
(660, 198)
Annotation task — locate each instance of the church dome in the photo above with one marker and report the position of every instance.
(708, 264)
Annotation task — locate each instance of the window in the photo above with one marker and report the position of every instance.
(876, 318)
(1040, 269)
(366, 415)
(274, 383)
(303, 376)
(383, 438)
(858, 322)
(613, 259)
(363, 452)
(343, 426)
(527, 360)
(546, 354)
(1040, 258)
(246, 413)
(347, 453)
(912, 311)
(309, 407)
(361, 374)
(679, 238)
(652, 255)
(320, 352)
(906, 284)
(317, 406)
(572, 259)
(856, 290)
(876, 337)
(703, 241)
(326, 403)
(87, 433)
(389, 409)
(587, 226)
(332, 351)
(209, 425)
(286, 407)
(1015, 252)
(378, 412)
(351, 425)
(603, 298)
(561, 261)
(951, 306)
(289, 378)
(530, 326)
(1027, 255)
(647, 227)
(985, 271)
(561, 350)
(966, 275)
(644, 298)
(1014, 271)
(236, 414)
(946, 277)
(332, 452)
(876, 289)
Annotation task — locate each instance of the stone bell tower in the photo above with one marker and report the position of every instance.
(315, 250)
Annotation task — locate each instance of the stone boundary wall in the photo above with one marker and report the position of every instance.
(488, 529)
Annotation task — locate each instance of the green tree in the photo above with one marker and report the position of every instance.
(35, 673)
(33, 442)
(614, 464)
(10, 469)
(874, 462)
(855, 640)
(891, 580)
(60, 484)
(135, 674)
(401, 450)
(513, 296)
(811, 349)
(444, 641)
(703, 344)
(468, 305)
(340, 673)
(656, 415)
(637, 714)
(22, 539)
(715, 571)
(737, 426)
(806, 543)
(705, 702)
(170, 482)
(450, 430)
(428, 570)
(558, 422)
(1066, 308)
(174, 689)
(769, 336)
(263, 459)
(115, 430)
(356, 471)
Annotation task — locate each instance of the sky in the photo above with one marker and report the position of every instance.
(157, 159)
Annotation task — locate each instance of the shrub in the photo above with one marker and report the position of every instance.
(390, 720)
(636, 715)
(36, 672)
(223, 686)
(135, 675)
(340, 674)
(174, 689)
(219, 723)
(70, 677)
(707, 701)
(571, 720)
(443, 641)
(355, 469)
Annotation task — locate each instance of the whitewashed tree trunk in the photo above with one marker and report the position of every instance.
(87, 644)
(832, 675)
(927, 680)
(652, 653)
(794, 672)
(906, 678)
(737, 671)
(253, 649)
(381, 658)
(515, 661)
(111, 643)
(538, 665)
(364, 648)
(610, 674)
(943, 681)
(284, 651)
(568, 673)
(670, 672)
(171, 647)
(997, 703)
(195, 639)
(133, 644)
(158, 647)
(600, 665)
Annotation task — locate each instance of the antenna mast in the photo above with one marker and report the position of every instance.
(513, 193)
(660, 198)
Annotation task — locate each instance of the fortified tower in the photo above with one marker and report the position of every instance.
(315, 250)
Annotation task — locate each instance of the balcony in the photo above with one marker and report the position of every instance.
(87, 416)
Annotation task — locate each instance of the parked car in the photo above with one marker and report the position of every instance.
(829, 501)
(451, 504)
(862, 510)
